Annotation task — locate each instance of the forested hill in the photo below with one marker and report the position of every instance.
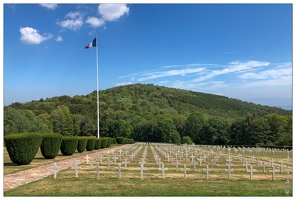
(160, 100)
(151, 113)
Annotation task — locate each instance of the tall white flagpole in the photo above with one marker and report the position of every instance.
(98, 109)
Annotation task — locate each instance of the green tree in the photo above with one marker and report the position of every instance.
(61, 119)
(194, 123)
(214, 132)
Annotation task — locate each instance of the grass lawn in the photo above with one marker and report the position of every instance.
(174, 184)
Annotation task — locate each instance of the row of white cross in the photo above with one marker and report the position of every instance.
(179, 154)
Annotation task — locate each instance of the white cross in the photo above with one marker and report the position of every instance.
(119, 168)
(200, 160)
(207, 170)
(272, 160)
(142, 168)
(91, 163)
(273, 172)
(246, 164)
(194, 165)
(87, 157)
(125, 162)
(115, 158)
(55, 168)
(185, 170)
(177, 164)
(192, 157)
(263, 165)
(251, 170)
(98, 170)
(108, 162)
(76, 167)
(229, 170)
(253, 158)
(281, 167)
(162, 169)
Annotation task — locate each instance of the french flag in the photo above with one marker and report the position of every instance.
(92, 44)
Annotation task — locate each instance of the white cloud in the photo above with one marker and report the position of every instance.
(50, 6)
(278, 82)
(181, 72)
(74, 23)
(95, 22)
(233, 67)
(31, 36)
(59, 39)
(112, 12)
(273, 73)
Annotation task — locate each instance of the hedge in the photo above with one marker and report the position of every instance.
(81, 145)
(50, 146)
(90, 144)
(104, 142)
(98, 143)
(69, 145)
(23, 147)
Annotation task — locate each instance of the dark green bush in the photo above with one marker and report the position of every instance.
(104, 142)
(22, 148)
(50, 146)
(82, 142)
(109, 142)
(187, 140)
(91, 142)
(69, 145)
(98, 143)
(120, 140)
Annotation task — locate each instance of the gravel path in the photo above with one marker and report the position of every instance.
(14, 180)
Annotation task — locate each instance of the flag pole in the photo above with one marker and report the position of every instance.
(98, 109)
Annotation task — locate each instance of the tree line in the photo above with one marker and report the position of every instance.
(154, 114)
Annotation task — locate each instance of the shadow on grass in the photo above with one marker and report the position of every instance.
(10, 164)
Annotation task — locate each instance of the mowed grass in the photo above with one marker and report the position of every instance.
(174, 184)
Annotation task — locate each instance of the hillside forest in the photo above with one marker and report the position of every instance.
(149, 113)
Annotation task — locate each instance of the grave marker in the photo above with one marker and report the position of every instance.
(119, 168)
(162, 169)
(282, 166)
(246, 164)
(177, 164)
(91, 163)
(87, 157)
(273, 172)
(263, 165)
(98, 170)
(55, 168)
(125, 162)
(228, 170)
(251, 170)
(142, 168)
(271, 161)
(207, 170)
(76, 168)
(185, 170)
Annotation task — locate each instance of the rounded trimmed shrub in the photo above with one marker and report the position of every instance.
(69, 145)
(98, 143)
(109, 142)
(120, 140)
(23, 147)
(81, 145)
(90, 144)
(50, 146)
(104, 142)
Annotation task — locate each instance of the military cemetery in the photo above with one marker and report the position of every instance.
(143, 161)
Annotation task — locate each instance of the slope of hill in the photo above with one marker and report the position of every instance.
(144, 112)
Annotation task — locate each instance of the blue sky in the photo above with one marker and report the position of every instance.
(242, 51)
